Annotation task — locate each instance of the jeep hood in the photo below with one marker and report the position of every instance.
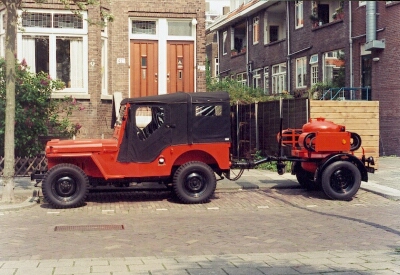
(55, 146)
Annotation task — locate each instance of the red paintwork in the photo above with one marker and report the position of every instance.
(330, 138)
(98, 157)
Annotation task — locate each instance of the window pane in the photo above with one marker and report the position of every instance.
(68, 21)
(334, 68)
(143, 27)
(182, 28)
(224, 46)
(148, 120)
(35, 51)
(42, 20)
(69, 58)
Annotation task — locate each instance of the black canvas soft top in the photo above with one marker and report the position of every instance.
(188, 118)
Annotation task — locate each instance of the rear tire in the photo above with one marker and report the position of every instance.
(305, 178)
(194, 182)
(65, 186)
(341, 180)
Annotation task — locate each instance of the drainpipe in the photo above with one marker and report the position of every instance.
(247, 52)
(351, 47)
(288, 47)
(219, 61)
(370, 20)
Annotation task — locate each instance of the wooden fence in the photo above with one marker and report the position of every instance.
(24, 166)
(255, 126)
(361, 117)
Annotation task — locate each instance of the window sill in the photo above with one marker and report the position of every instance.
(275, 42)
(392, 4)
(74, 95)
(327, 24)
(106, 97)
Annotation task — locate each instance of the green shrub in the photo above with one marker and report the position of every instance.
(36, 113)
(238, 92)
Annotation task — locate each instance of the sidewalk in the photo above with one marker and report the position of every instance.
(385, 182)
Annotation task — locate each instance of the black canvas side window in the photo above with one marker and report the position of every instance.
(148, 119)
(209, 110)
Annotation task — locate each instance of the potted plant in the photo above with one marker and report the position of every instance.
(338, 14)
(314, 19)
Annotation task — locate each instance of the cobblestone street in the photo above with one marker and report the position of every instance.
(260, 221)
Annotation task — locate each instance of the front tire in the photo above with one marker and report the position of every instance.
(194, 182)
(65, 186)
(341, 180)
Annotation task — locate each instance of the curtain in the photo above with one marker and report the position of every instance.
(29, 53)
(76, 48)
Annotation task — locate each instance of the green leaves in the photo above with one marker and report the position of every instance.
(36, 113)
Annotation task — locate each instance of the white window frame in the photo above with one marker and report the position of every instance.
(216, 67)
(313, 69)
(266, 81)
(53, 34)
(314, 74)
(279, 78)
(256, 30)
(257, 78)
(299, 14)
(224, 45)
(272, 19)
(242, 78)
(104, 61)
(301, 72)
(362, 3)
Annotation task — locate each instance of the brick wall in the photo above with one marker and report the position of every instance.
(95, 113)
(385, 80)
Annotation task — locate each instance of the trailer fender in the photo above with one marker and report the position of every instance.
(342, 157)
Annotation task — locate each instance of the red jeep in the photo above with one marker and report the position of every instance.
(179, 139)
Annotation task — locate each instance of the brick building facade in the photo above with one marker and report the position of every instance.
(289, 46)
(150, 47)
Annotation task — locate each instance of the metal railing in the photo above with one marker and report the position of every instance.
(347, 93)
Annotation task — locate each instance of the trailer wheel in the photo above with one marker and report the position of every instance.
(355, 142)
(341, 180)
(65, 186)
(194, 182)
(305, 178)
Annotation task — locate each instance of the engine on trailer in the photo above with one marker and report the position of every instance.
(322, 156)
(320, 137)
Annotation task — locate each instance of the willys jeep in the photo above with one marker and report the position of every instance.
(180, 140)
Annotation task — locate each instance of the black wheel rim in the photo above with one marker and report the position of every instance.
(342, 180)
(65, 187)
(195, 184)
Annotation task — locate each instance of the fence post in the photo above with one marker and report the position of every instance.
(237, 128)
(256, 121)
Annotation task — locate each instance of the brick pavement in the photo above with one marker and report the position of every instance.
(277, 229)
(288, 231)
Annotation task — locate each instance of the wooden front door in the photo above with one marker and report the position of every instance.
(180, 66)
(143, 68)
